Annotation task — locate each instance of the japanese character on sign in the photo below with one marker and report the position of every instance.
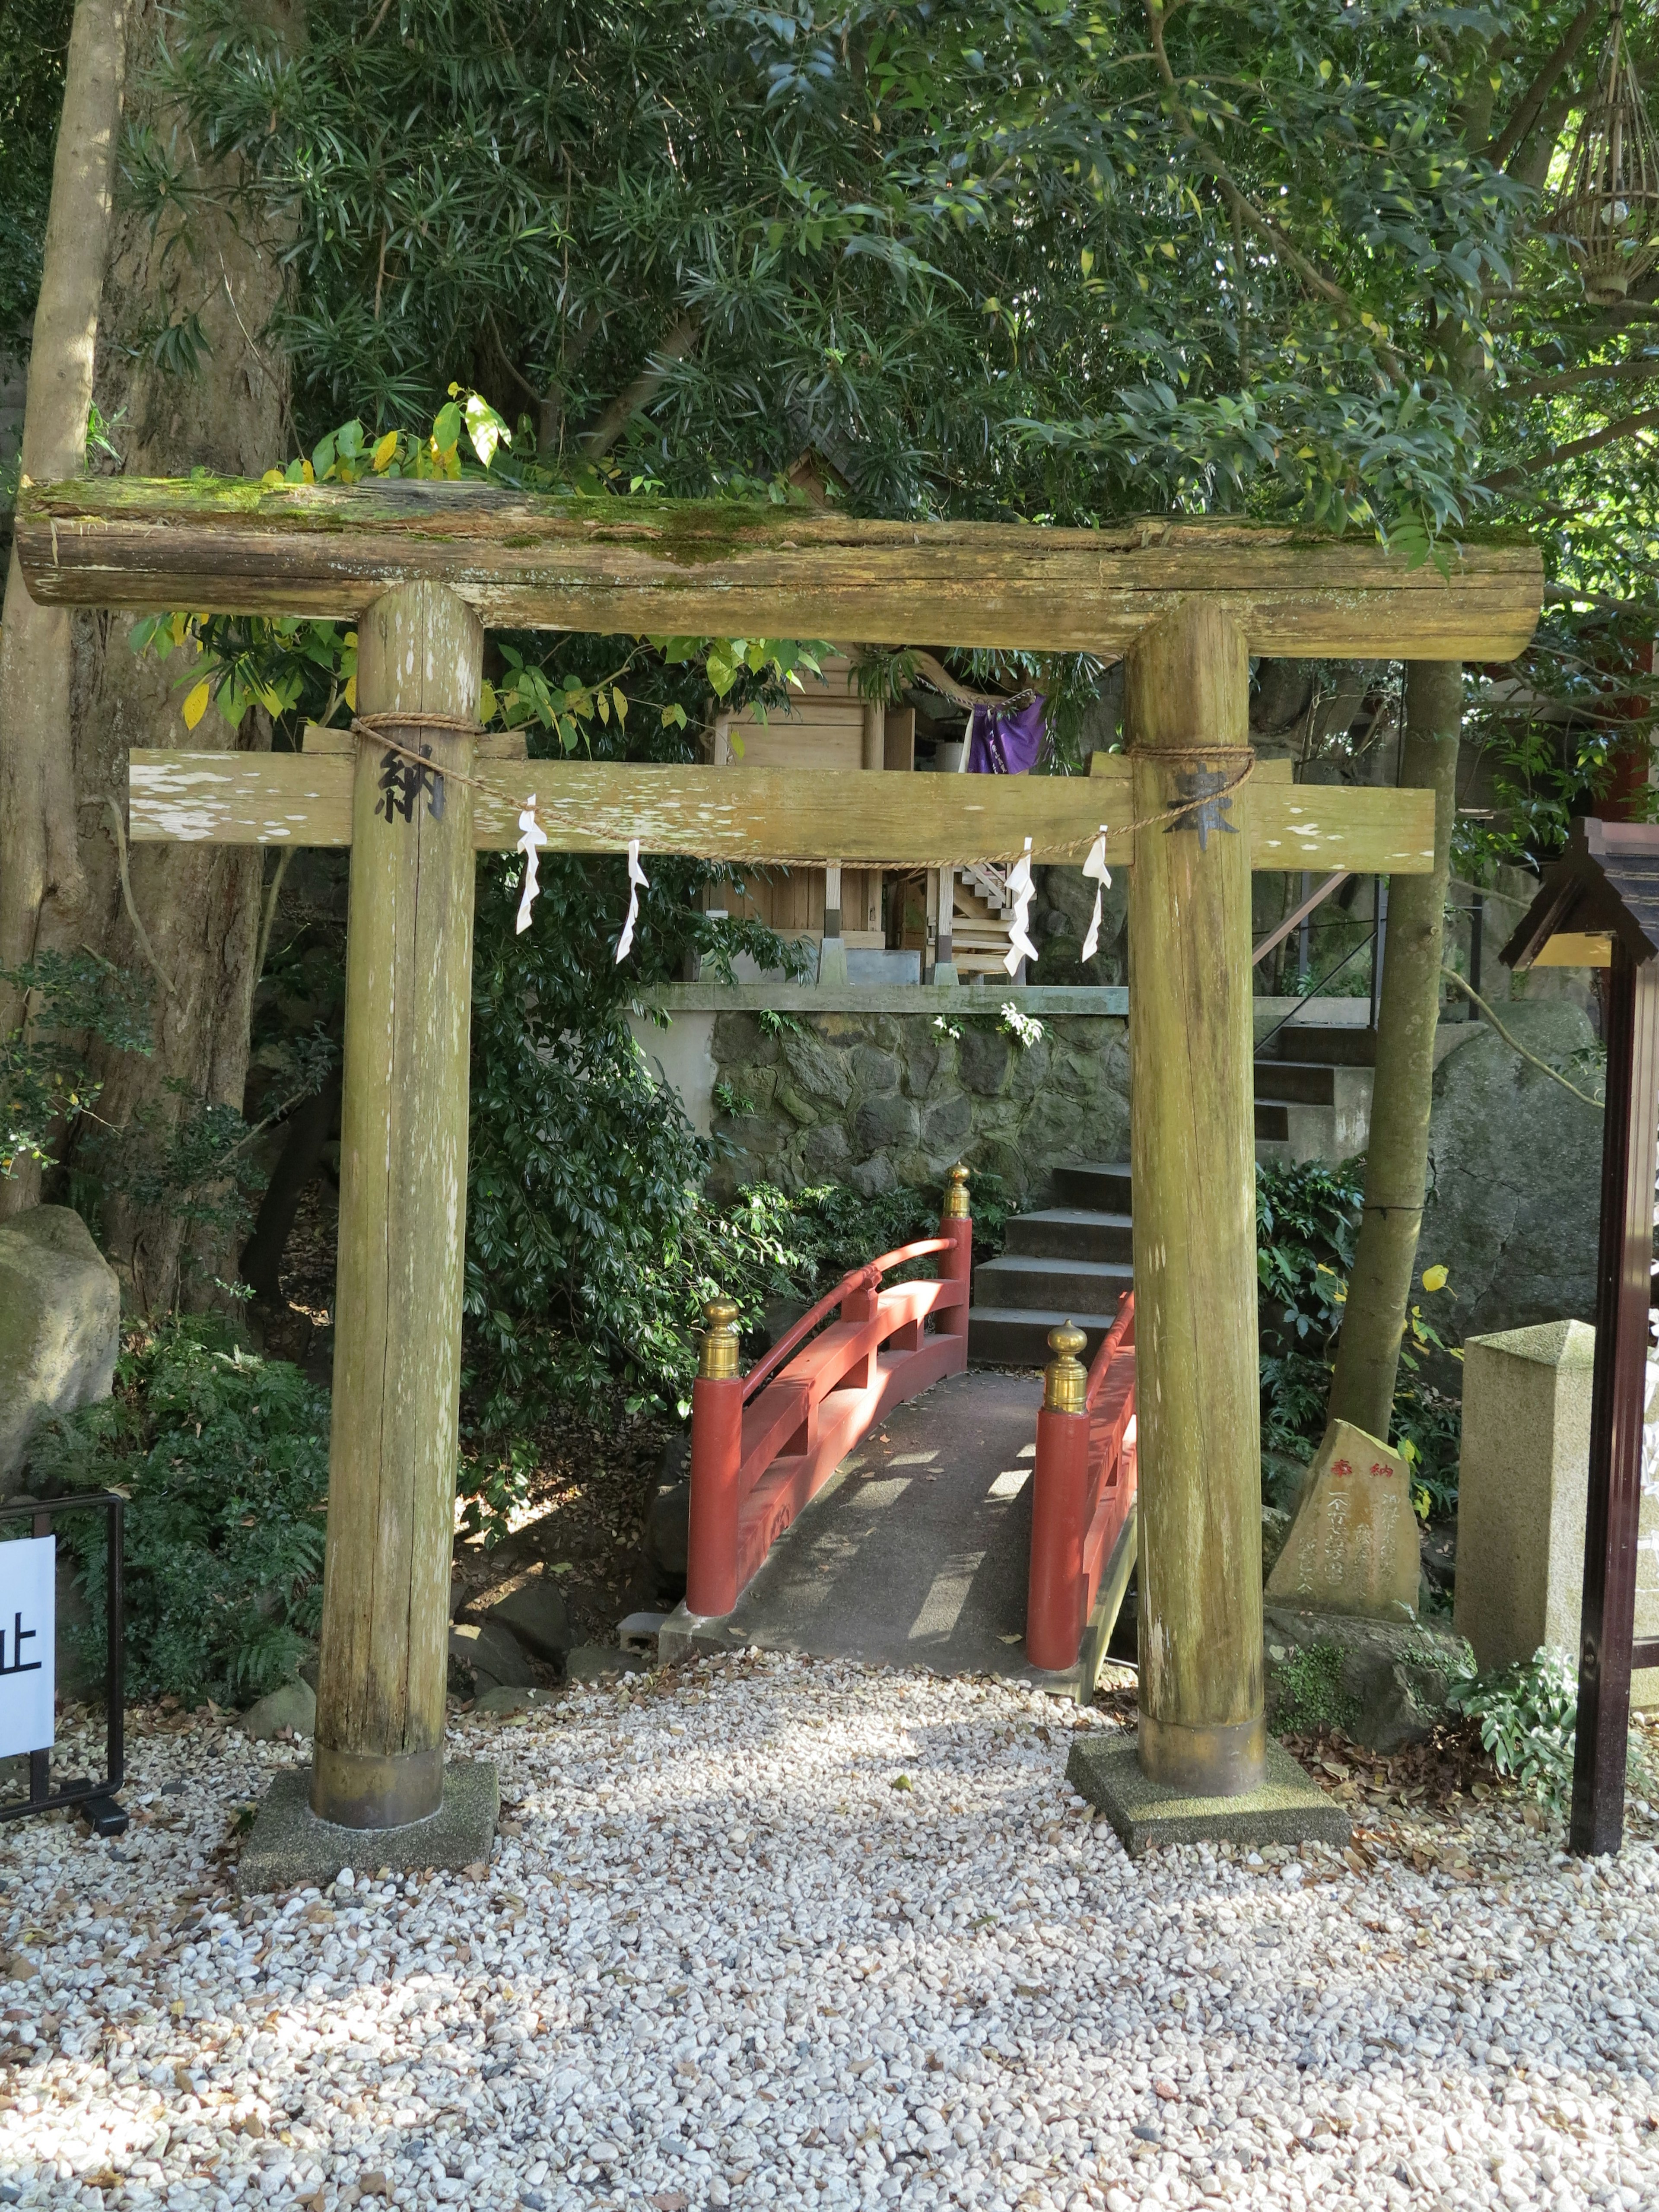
(29, 1637)
(1341, 1467)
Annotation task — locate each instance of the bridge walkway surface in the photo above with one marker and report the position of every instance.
(917, 1551)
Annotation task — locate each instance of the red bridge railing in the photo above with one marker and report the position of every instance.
(765, 1443)
(1083, 1493)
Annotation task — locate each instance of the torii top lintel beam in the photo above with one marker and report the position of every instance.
(724, 569)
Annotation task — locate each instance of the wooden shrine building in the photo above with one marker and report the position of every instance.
(422, 568)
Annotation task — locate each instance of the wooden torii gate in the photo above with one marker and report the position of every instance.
(422, 568)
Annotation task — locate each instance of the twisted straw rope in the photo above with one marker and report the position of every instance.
(369, 726)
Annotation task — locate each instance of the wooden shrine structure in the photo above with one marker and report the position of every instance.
(1598, 907)
(422, 568)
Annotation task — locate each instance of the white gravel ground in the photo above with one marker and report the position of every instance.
(785, 1934)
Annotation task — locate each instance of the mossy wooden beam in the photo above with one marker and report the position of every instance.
(723, 568)
(773, 814)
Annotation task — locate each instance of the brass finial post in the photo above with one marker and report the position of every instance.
(1065, 1379)
(719, 1360)
(956, 1198)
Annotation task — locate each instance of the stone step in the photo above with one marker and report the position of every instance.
(1070, 1232)
(1324, 1043)
(1079, 1286)
(1018, 1336)
(1273, 1123)
(1299, 1083)
(1102, 1186)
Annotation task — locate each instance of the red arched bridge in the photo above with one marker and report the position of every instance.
(967, 1522)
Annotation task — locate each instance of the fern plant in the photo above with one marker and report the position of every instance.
(1529, 1716)
(223, 1458)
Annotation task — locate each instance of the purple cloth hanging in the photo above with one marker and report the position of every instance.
(1004, 745)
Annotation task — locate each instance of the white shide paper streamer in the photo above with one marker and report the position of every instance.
(533, 835)
(637, 882)
(1096, 869)
(1023, 890)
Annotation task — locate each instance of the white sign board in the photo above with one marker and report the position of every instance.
(29, 1643)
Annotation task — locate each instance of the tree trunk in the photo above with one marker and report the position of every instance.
(42, 887)
(199, 904)
(1379, 1287)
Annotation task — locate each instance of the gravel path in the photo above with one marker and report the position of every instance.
(789, 1933)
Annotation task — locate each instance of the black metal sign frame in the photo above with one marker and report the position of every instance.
(95, 1800)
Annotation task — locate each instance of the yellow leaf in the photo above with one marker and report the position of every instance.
(307, 474)
(385, 450)
(486, 702)
(1434, 1279)
(620, 703)
(197, 705)
(351, 693)
(273, 477)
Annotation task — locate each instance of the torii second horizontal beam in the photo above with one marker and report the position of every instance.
(780, 815)
(716, 568)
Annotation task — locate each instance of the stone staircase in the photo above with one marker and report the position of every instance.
(1070, 1262)
(1313, 1093)
(980, 921)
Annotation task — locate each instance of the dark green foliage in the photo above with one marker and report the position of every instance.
(1528, 1716)
(71, 997)
(1306, 1219)
(224, 1457)
(974, 255)
(34, 41)
(1307, 1691)
(1307, 1216)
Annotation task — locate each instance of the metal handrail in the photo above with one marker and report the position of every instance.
(1363, 946)
(867, 1278)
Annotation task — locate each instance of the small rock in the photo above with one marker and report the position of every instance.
(492, 1653)
(293, 1707)
(668, 1532)
(373, 2184)
(590, 1662)
(537, 1615)
(1394, 1677)
(514, 1700)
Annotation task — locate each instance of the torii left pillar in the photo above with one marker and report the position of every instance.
(378, 1764)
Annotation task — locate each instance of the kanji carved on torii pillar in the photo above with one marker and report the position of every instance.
(422, 568)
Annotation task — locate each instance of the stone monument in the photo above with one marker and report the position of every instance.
(1522, 1479)
(1353, 1546)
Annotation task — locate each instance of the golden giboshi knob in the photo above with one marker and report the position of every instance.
(1065, 1379)
(956, 1198)
(718, 1361)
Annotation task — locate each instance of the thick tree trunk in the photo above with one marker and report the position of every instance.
(42, 887)
(199, 904)
(1379, 1287)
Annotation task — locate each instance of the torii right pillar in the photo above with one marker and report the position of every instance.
(1203, 1765)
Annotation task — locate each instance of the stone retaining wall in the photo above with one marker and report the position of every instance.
(879, 1100)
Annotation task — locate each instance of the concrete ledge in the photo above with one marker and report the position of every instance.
(694, 1635)
(289, 1848)
(1288, 1810)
